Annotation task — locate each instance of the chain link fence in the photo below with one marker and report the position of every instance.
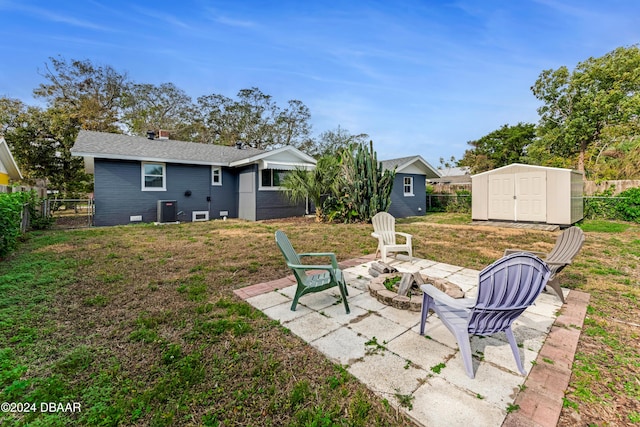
(69, 213)
(457, 203)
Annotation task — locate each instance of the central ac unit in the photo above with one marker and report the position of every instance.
(167, 211)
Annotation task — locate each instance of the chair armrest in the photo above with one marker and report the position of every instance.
(438, 295)
(328, 268)
(331, 255)
(407, 236)
(536, 253)
(558, 262)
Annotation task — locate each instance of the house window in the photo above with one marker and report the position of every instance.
(216, 176)
(272, 177)
(154, 177)
(408, 186)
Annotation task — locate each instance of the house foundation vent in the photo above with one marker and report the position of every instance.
(199, 216)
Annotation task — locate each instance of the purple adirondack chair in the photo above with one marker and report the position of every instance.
(505, 289)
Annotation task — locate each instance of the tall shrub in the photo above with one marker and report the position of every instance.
(10, 209)
(629, 206)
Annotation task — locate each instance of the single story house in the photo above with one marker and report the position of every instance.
(409, 194)
(138, 179)
(9, 170)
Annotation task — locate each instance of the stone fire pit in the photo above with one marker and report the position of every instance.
(406, 294)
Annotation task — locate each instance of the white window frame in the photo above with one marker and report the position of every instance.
(215, 169)
(164, 177)
(408, 184)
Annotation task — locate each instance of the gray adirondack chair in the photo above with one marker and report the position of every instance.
(567, 246)
(505, 289)
(321, 277)
(384, 229)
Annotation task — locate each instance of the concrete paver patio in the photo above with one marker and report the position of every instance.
(424, 376)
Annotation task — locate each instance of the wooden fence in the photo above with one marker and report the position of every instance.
(596, 187)
(41, 191)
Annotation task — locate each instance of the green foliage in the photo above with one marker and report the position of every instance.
(11, 209)
(625, 206)
(589, 115)
(452, 203)
(362, 188)
(10, 220)
(499, 148)
(315, 184)
(629, 206)
(460, 203)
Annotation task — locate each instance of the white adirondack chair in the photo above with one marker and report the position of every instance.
(384, 229)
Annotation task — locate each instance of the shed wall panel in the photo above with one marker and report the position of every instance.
(479, 198)
(561, 203)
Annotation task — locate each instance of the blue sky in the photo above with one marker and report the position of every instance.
(420, 77)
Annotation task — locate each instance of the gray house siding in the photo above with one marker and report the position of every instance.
(404, 206)
(224, 197)
(273, 204)
(118, 193)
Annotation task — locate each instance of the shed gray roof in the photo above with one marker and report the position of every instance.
(125, 147)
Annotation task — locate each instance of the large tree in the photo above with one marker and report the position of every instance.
(253, 119)
(91, 94)
(41, 141)
(499, 148)
(148, 107)
(331, 142)
(589, 112)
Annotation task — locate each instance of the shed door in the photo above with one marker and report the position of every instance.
(531, 196)
(502, 204)
(247, 196)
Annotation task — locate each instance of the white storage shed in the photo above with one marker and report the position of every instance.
(527, 193)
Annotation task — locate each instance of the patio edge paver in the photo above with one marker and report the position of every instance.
(540, 399)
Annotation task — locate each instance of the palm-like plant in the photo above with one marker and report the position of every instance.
(314, 184)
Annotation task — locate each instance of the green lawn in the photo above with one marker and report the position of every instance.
(138, 325)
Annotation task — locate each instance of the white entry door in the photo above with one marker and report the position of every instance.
(501, 197)
(247, 196)
(531, 197)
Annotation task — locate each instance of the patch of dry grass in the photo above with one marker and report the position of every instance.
(145, 328)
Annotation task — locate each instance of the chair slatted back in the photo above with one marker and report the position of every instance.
(506, 288)
(384, 224)
(290, 255)
(567, 246)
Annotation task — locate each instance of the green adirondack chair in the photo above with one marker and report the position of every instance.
(312, 278)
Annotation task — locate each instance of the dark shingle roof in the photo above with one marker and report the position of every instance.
(403, 162)
(118, 146)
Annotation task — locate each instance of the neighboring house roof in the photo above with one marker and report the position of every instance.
(7, 163)
(90, 145)
(454, 175)
(454, 171)
(411, 164)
